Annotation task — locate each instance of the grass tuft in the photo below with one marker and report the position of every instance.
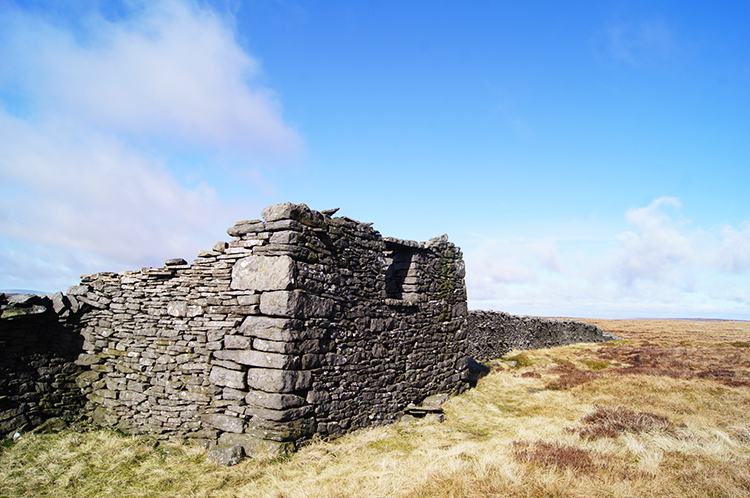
(608, 422)
(556, 454)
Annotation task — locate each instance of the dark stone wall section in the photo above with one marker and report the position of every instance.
(492, 334)
(39, 343)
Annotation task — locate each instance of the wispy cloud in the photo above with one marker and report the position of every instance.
(89, 115)
(640, 43)
(664, 264)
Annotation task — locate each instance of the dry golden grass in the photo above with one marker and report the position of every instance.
(662, 413)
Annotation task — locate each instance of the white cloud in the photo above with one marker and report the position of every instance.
(90, 191)
(664, 266)
(174, 70)
(89, 117)
(734, 254)
(659, 246)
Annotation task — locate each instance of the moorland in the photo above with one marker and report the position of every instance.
(662, 412)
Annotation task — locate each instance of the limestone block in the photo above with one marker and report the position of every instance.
(227, 378)
(259, 273)
(273, 400)
(87, 378)
(226, 454)
(78, 290)
(248, 299)
(177, 308)
(237, 342)
(285, 211)
(278, 381)
(295, 304)
(275, 346)
(87, 359)
(191, 396)
(272, 329)
(279, 415)
(318, 397)
(132, 396)
(244, 227)
(280, 431)
(255, 447)
(259, 359)
(224, 422)
(285, 237)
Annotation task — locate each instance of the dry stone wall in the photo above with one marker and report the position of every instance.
(492, 334)
(39, 343)
(302, 324)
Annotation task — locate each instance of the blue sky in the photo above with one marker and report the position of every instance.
(590, 158)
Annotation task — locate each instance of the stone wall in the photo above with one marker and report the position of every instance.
(302, 324)
(493, 334)
(39, 343)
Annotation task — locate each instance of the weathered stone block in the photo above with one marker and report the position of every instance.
(275, 346)
(227, 378)
(285, 211)
(255, 447)
(237, 342)
(260, 273)
(132, 396)
(295, 304)
(278, 381)
(177, 308)
(280, 415)
(272, 329)
(226, 454)
(260, 359)
(273, 400)
(224, 422)
(280, 431)
(87, 378)
(244, 227)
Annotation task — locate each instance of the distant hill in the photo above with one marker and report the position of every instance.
(25, 291)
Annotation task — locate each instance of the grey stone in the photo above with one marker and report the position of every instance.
(225, 454)
(177, 308)
(85, 359)
(285, 211)
(59, 302)
(273, 400)
(260, 359)
(278, 381)
(295, 304)
(237, 342)
(227, 378)
(255, 447)
(224, 422)
(272, 329)
(87, 378)
(279, 415)
(434, 401)
(244, 227)
(16, 312)
(78, 290)
(260, 273)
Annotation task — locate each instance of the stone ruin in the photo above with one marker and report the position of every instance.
(303, 325)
